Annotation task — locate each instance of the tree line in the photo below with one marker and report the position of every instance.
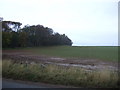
(30, 36)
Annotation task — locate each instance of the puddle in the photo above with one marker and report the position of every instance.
(57, 58)
(85, 64)
(88, 67)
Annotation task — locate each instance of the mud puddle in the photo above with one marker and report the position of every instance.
(81, 63)
(87, 67)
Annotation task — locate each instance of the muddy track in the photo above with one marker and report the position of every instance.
(88, 64)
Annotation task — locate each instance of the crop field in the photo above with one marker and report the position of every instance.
(107, 53)
(83, 66)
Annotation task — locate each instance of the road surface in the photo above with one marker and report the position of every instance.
(9, 83)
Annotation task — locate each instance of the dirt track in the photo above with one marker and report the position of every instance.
(88, 64)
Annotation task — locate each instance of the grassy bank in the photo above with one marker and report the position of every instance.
(59, 75)
(107, 53)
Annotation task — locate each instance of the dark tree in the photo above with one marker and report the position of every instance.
(31, 36)
(8, 26)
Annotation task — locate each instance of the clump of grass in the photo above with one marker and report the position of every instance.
(60, 75)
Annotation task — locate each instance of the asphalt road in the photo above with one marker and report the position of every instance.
(14, 84)
(8, 83)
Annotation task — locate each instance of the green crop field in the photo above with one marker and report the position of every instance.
(107, 53)
(61, 75)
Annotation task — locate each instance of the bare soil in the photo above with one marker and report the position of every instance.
(89, 64)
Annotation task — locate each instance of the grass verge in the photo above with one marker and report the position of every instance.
(59, 75)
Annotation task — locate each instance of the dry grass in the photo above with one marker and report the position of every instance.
(60, 75)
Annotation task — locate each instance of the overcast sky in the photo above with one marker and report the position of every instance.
(85, 22)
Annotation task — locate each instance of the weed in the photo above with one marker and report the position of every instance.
(73, 76)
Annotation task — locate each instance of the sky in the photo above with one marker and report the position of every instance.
(85, 22)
